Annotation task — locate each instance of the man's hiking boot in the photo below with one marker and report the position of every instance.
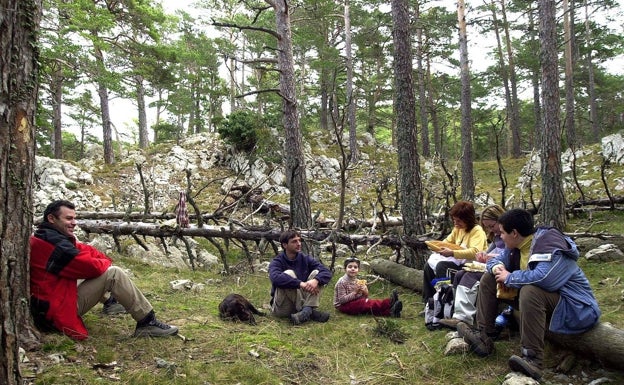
(301, 317)
(395, 310)
(112, 307)
(319, 316)
(479, 342)
(527, 364)
(151, 327)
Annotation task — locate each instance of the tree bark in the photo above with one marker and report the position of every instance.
(249, 234)
(107, 134)
(140, 90)
(56, 93)
(422, 86)
(603, 343)
(349, 86)
(399, 274)
(18, 94)
(568, 30)
(293, 145)
(407, 141)
(552, 205)
(467, 178)
(591, 83)
(514, 121)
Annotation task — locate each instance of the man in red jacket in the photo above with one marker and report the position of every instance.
(67, 278)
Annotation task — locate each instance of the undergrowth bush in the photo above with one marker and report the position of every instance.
(240, 129)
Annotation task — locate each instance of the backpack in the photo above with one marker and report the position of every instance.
(440, 305)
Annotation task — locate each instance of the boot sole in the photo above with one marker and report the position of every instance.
(517, 364)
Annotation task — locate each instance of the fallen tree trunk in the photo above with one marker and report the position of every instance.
(327, 223)
(399, 274)
(247, 233)
(603, 343)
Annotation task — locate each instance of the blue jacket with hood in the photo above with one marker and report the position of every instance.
(552, 267)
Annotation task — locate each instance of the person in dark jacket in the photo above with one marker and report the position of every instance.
(554, 293)
(67, 278)
(297, 281)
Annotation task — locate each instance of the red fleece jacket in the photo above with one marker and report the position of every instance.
(56, 263)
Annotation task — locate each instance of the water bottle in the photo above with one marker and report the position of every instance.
(503, 318)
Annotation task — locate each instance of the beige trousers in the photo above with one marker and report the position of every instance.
(116, 282)
(290, 301)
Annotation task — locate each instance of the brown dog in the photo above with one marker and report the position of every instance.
(236, 307)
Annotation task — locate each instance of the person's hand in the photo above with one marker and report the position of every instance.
(483, 257)
(363, 289)
(310, 286)
(500, 273)
(446, 252)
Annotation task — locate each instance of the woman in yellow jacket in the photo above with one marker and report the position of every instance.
(465, 240)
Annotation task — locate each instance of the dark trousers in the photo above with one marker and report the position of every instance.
(536, 307)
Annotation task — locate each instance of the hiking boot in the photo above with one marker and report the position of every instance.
(395, 310)
(151, 327)
(319, 316)
(530, 366)
(394, 297)
(450, 323)
(302, 316)
(112, 307)
(479, 342)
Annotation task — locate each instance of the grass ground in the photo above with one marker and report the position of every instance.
(346, 350)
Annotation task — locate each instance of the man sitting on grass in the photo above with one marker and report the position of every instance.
(296, 282)
(67, 278)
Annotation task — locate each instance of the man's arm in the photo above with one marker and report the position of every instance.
(88, 263)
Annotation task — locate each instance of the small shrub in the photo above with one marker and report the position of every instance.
(240, 129)
(390, 329)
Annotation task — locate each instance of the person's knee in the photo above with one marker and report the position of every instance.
(529, 296)
(115, 270)
(487, 278)
(291, 273)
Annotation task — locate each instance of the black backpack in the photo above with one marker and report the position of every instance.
(439, 306)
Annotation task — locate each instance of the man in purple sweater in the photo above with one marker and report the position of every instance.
(297, 281)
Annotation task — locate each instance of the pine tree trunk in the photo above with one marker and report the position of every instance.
(407, 141)
(18, 93)
(422, 87)
(568, 26)
(467, 178)
(296, 181)
(140, 89)
(552, 205)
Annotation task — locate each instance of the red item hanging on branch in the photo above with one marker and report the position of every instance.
(182, 217)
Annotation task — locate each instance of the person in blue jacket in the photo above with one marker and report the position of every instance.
(297, 281)
(554, 293)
